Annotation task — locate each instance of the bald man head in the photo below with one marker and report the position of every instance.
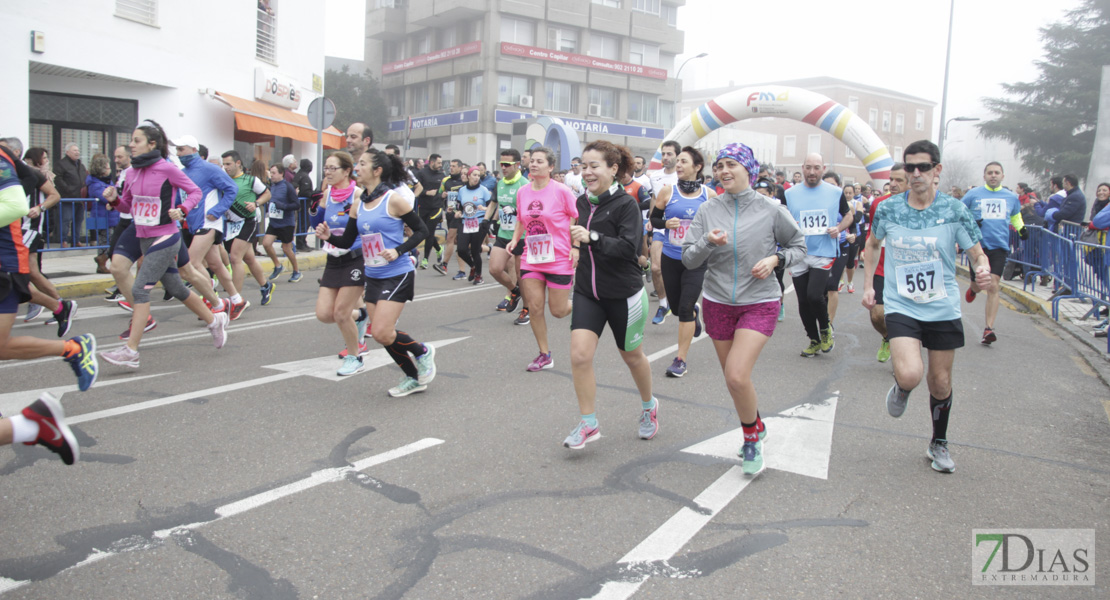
(812, 169)
(359, 138)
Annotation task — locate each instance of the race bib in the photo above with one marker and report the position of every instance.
(233, 229)
(372, 247)
(146, 210)
(508, 218)
(992, 209)
(814, 222)
(922, 282)
(453, 200)
(275, 212)
(678, 235)
(541, 249)
(471, 225)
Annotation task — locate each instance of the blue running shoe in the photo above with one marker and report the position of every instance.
(660, 315)
(83, 362)
(350, 366)
(582, 435)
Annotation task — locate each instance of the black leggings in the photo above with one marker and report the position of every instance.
(431, 217)
(813, 300)
(470, 246)
(683, 287)
(851, 251)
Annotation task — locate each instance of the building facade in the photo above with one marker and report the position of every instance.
(232, 75)
(898, 119)
(457, 73)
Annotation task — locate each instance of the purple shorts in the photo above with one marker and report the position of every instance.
(722, 320)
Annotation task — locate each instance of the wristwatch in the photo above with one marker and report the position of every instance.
(782, 258)
(594, 236)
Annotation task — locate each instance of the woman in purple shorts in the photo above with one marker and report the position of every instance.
(742, 236)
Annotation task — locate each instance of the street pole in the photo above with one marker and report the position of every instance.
(947, 61)
(678, 82)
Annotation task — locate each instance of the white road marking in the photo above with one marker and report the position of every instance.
(13, 402)
(83, 313)
(325, 367)
(670, 350)
(262, 499)
(806, 439)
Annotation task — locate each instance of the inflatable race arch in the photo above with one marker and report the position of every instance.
(788, 103)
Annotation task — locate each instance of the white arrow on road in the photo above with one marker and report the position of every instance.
(13, 402)
(799, 440)
(325, 367)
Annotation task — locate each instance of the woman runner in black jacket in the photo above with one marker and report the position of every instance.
(608, 287)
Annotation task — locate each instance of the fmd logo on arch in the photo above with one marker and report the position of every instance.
(1033, 557)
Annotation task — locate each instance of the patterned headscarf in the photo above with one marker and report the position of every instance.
(743, 155)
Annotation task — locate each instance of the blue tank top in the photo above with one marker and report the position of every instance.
(336, 215)
(377, 231)
(680, 207)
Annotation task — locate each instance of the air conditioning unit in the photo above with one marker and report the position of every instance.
(524, 101)
(595, 110)
(394, 111)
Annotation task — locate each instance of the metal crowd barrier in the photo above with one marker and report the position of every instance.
(1070, 230)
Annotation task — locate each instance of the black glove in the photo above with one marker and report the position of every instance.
(1023, 233)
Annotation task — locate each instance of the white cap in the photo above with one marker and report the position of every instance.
(187, 140)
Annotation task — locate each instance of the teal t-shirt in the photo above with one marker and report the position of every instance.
(993, 211)
(920, 280)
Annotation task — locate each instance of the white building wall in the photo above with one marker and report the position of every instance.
(198, 45)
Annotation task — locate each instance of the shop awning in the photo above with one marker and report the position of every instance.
(258, 117)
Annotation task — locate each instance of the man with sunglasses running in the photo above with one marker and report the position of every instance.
(505, 267)
(920, 231)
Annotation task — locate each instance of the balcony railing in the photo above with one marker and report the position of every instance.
(265, 47)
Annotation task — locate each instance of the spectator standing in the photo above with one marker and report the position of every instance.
(102, 217)
(289, 163)
(69, 179)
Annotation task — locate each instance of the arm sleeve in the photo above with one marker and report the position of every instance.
(1016, 221)
(350, 234)
(844, 208)
(657, 220)
(13, 205)
(419, 232)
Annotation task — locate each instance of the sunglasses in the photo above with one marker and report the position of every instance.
(924, 167)
(507, 164)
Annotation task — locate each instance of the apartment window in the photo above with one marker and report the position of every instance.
(605, 98)
(140, 11)
(643, 107)
(421, 44)
(562, 39)
(447, 38)
(919, 123)
(853, 104)
(789, 146)
(886, 120)
(873, 118)
(609, 3)
(605, 46)
(670, 15)
(472, 91)
(899, 123)
(561, 96)
(392, 51)
(848, 152)
(447, 94)
(643, 54)
(814, 144)
(420, 99)
(395, 99)
(510, 88)
(265, 44)
(518, 31)
(897, 154)
(666, 113)
(646, 6)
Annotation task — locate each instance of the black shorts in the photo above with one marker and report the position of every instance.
(35, 249)
(246, 233)
(877, 282)
(454, 224)
(400, 288)
(343, 271)
(503, 243)
(997, 260)
(626, 317)
(837, 271)
(15, 289)
(187, 236)
(127, 245)
(934, 335)
(551, 280)
(283, 234)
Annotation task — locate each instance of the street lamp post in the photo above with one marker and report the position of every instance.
(944, 134)
(678, 81)
(947, 60)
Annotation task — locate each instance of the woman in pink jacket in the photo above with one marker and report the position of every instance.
(151, 196)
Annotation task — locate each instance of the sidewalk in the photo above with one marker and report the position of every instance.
(1037, 299)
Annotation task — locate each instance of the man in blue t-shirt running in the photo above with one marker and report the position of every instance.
(919, 232)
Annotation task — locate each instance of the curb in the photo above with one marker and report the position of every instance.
(98, 284)
(1022, 297)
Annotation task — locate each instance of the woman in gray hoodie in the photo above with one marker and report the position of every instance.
(741, 236)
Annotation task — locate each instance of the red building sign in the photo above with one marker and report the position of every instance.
(580, 60)
(432, 57)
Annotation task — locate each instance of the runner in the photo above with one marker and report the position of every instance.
(15, 269)
(545, 211)
(240, 228)
(283, 207)
(573, 179)
(122, 157)
(739, 238)
(816, 205)
(667, 176)
(338, 299)
(449, 193)
(855, 240)
(673, 212)
(764, 187)
(995, 209)
(203, 231)
(430, 206)
(844, 241)
(505, 267)
(42, 423)
(381, 216)
(921, 230)
(896, 186)
(608, 288)
(474, 199)
(150, 198)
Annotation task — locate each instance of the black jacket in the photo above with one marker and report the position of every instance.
(430, 180)
(302, 181)
(609, 268)
(69, 177)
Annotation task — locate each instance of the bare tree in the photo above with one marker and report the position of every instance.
(957, 171)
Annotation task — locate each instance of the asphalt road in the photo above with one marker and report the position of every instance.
(253, 472)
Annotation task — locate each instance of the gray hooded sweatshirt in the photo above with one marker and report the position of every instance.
(756, 227)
